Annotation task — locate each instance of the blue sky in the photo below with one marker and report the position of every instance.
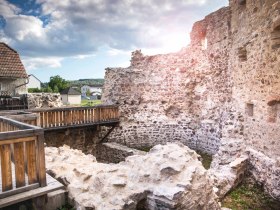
(78, 39)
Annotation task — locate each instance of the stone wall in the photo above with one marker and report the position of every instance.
(224, 86)
(87, 140)
(114, 153)
(44, 100)
(255, 64)
(179, 96)
(83, 139)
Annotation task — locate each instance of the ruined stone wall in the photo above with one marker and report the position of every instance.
(44, 100)
(255, 64)
(83, 139)
(228, 92)
(175, 97)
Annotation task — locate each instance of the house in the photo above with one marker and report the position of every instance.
(70, 96)
(33, 82)
(95, 90)
(13, 77)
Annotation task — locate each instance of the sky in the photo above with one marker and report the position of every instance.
(78, 39)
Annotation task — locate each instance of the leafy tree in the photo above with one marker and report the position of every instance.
(47, 89)
(34, 90)
(55, 89)
(88, 93)
(58, 83)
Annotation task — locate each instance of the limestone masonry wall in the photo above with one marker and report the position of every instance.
(178, 96)
(223, 86)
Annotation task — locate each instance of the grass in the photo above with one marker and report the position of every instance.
(250, 196)
(90, 102)
(145, 149)
(66, 207)
(206, 159)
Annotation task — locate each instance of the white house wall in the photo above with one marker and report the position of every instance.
(71, 99)
(9, 85)
(34, 83)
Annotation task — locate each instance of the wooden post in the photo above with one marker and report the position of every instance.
(41, 167)
(5, 152)
(19, 164)
(31, 162)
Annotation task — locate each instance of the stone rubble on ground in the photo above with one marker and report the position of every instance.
(167, 177)
(228, 166)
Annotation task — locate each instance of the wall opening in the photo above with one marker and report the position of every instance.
(273, 113)
(204, 43)
(250, 109)
(242, 2)
(242, 54)
(142, 204)
(275, 36)
(203, 39)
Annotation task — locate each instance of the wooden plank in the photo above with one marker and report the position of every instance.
(104, 123)
(31, 162)
(17, 140)
(19, 164)
(52, 185)
(46, 120)
(19, 190)
(6, 168)
(41, 167)
(18, 124)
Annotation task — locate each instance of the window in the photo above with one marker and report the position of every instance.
(275, 36)
(242, 54)
(204, 43)
(241, 2)
(250, 109)
(273, 113)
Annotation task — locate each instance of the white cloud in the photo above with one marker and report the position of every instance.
(37, 63)
(22, 27)
(7, 9)
(81, 57)
(115, 52)
(79, 28)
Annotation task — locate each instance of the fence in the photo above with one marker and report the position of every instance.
(22, 157)
(70, 116)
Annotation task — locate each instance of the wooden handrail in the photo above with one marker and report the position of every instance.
(69, 116)
(22, 156)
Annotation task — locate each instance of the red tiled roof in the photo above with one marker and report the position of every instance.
(10, 63)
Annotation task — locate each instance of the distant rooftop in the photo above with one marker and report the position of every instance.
(70, 91)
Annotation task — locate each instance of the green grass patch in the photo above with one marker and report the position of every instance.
(145, 149)
(66, 207)
(206, 159)
(90, 102)
(250, 196)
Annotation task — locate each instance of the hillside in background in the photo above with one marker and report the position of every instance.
(81, 82)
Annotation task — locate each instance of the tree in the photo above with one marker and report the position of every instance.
(57, 83)
(55, 89)
(48, 90)
(88, 93)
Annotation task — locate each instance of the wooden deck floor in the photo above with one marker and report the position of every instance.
(52, 185)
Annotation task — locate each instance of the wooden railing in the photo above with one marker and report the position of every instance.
(9, 103)
(71, 116)
(22, 157)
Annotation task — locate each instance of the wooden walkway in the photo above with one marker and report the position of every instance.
(22, 156)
